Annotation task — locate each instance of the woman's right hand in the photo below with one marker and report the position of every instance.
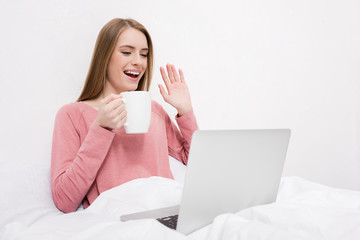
(111, 114)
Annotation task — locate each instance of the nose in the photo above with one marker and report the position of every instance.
(136, 60)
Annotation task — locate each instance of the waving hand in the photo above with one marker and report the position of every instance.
(177, 94)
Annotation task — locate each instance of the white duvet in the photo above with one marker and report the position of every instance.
(303, 210)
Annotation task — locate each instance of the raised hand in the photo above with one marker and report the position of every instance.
(111, 114)
(177, 94)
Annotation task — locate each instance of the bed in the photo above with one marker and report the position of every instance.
(303, 210)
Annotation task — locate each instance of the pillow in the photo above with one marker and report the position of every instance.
(25, 193)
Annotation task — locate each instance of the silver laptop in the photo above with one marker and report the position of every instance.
(228, 170)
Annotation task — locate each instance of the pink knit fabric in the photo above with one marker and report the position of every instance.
(88, 160)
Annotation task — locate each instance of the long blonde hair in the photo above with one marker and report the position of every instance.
(104, 47)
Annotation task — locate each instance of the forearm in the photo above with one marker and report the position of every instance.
(74, 166)
(179, 144)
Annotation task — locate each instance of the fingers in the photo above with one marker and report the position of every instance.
(163, 92)
(174, 73)
(164, 77)
(121, 122)
(112, 112)
(170, 73)
(110, 98)
(117, 117)
(119, 111)
(120, 117)
(115, 104)
(182, 78)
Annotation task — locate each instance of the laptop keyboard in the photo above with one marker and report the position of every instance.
(170, 221)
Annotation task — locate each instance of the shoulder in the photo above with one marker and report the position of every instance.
(71, 110)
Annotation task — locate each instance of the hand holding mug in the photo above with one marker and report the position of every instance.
(112, 113)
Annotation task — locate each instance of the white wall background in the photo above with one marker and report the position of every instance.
(249, 64)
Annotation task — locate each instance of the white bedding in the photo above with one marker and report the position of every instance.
(303, 210)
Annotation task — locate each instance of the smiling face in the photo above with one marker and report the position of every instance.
(128, 62)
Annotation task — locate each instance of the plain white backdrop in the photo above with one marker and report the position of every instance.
(248, 64)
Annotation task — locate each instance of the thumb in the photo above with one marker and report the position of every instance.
(163, 92)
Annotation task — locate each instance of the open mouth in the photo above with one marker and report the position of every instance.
(132, 74)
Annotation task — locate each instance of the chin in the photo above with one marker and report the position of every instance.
(132, 88)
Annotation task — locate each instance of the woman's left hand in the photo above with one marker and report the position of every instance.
(177, 94)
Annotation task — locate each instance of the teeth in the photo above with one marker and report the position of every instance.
(133, 73)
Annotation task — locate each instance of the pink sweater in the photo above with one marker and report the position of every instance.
(87, 159)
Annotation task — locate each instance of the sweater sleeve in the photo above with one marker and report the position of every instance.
(74, 165)
(179, 142)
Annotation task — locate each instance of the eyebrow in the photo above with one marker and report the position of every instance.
(129, 46)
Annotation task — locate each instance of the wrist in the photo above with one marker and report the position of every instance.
(102, 126)
(184, 111)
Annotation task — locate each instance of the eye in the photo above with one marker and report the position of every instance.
(126, 53)
(144, 55)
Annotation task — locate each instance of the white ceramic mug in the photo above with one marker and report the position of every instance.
(138, 108)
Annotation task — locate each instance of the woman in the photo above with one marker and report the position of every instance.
(91, 152)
